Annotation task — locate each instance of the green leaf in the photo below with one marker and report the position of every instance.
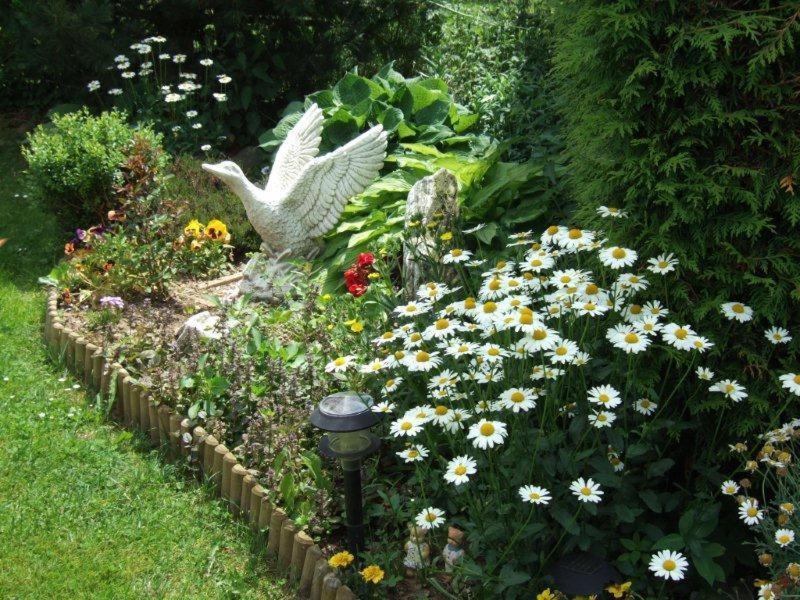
(673, 541)
(486, 234)
(352, 89)
(659, 467)
(650, 498)
(391, 119)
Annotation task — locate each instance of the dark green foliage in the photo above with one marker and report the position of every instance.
(686, 114)
(73, 162)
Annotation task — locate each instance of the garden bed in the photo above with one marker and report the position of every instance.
(292, 548)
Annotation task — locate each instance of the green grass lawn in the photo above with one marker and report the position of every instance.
(86, 511)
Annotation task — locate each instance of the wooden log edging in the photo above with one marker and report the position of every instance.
(293, 551)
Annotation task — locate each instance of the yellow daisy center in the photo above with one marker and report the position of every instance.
(534, 496)
(552, 230)
(494, 284)
(430, 517)
(590, 306)
(618, 253)
(512, 283)
(536, 262)
(561, 350)
(406, 425)
(423, 357)
(634, 279)
(737, 308)
(752, 511)
(399, 355)
(603, 398)
(340, 361)
(413, 454)
(631, 338)
(493, 352)
(517, 397)
(411, 308)
(566, 279)
(389, 383)
(539, 334)
(575, 234)
(441, 410)
(489, 307)
(729, 388)
(487, 429)
(797, 379)
(592, 288)
(669, 565)
(442, 324)
(501, 264)
(415, 337)
(784, 539)
(602, 417)
(586, 491)
(463, 348)
(469, 303)
(456, 252)
(635, 308)
(681, 333)
(460, 470)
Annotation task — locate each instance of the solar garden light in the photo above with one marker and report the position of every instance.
(583, 574)
(347, 417)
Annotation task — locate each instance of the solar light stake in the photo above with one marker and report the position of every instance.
(347, 417)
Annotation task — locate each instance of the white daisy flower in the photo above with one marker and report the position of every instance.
(460, 348)
(654, 308)
(342, 363)
(662, 264)
(115, 91)
(421, 361)
(93, 86)
(423, 414)
(164, 56)
(729, 488)
(220, 97)
(487, 434)
(224, 79)
(611, 212)
(731, 388)
(586, 490)
(191, 114)
(492, 353)
(737, 311)
(433, 292)
(171, 98)
(128, 74)
(535, 494)
(590, 308)
(385, 338)
(645, 406)
(456, 420)
(552, 233)
(778, 335)
(704, 373)
(445, 379)
(415, 453)
(605, 396)
(413, 339)
(574, 239)
(374, 366)
(459, 469)
(617, 257)
(206, 62)
(629, 340)
(405, 426)
(430, 518)
(441, 414)
(568, 278)
(412, 309)
(784, 537)
(701, 344)
(631, 282)
(120, 58)
(581, 358)
(442, 328)
(648, 325)
(669, 564)
(602, 419)
(456, 255)
(383, 407)
(679, 336)
(490, 376)
(518, 399)
(750, 513)
(391, 385)
(791, 381)
(538, 262)
(563, 352)
(541, 338)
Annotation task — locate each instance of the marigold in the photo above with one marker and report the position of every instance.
(372, 574)
(341, 559)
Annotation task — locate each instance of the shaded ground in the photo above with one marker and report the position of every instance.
(85, 510)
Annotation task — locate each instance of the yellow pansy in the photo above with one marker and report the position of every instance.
(619, 590)
(193, 229)
(217, 231)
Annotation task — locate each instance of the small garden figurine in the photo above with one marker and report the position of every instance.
(417, 550)
(453, 552)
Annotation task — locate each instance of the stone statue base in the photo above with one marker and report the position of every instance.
(268, 278)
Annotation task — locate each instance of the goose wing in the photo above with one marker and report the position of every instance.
(298, 149)
(319, 195)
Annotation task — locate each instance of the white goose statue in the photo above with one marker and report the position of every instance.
(305, 193)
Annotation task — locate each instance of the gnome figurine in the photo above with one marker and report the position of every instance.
(453, 552)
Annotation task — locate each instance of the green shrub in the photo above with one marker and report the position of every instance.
(73, 162)
(685, 115)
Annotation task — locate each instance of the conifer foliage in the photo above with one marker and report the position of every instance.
(687, 114)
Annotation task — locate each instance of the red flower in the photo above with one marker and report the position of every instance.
(354, 277)
(365, 259)
(357, 289)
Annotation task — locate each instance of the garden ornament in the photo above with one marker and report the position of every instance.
(453, 551)
(305, 194)
(417, 550)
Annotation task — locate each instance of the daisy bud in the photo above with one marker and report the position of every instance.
(782, 472)
(783, 519)
(751, 466)
(785, 457)
(765, 559)
(745, 483)
(768, 449)
(793, 571)
(787, 507)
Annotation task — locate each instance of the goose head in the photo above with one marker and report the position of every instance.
(228, 171)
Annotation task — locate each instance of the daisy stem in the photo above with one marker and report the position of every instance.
(516, 535)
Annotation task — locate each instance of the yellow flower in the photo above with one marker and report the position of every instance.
(326, 297)
(372, 574)
(217, 230)
(413, 223)
(546, 595)
(342, 559)
(446, 236)
(619, 590)
(193, 229)
(374, 276)
(195, 246)
(355, 325)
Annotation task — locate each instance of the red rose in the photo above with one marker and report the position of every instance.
(353, 277)
(357, 289)
(365, 259)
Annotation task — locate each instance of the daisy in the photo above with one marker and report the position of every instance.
(492, 289)
(492, 353)
(602, 419)
(430, 518)
(413, 340)
(206, 62)
(412, 309)
(457, 417)
(586, 490)
(486, 434)
(632, 282)
(668, 564)
(552, 233)
(456, 255)
(535, 494)
(383, 407)
(604, 395)
(538, 262)
(93, 86)
(391, 385)
(563, 352)
(738, 311)
(575, 238)
(611, 211)
(442, 328)
(567, 278)
(459, 469)
(784, 537)
(414, 453)
(701, 344)
(648, 325)
(490, 376)
(433, 292)
(633, 313)
(791, 381)
(385, 338)
(405, 426)
(445, 379)
(541, 338)
(731, 388)
(630, 341)
(223, 79)
(440, 394)
(662, 264)
(205, 147)
(679, 336)
(486, 313)
(591, 309)
(581, 358)
(614, 460)
(220, 97)
(458, 348)
(729, 488)
(704, 373)
(645, 406)
(115, 91)
(617, 257)
(423, 414)
(518, 399)
(421, 361)
(339, 364)
(373, 366)
(654, 308)
(778, 335)
(750, 513)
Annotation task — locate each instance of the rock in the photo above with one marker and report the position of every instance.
(437, 193)
(268, 279)
(203, 325)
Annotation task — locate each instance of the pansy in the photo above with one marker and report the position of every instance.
(459, 469)
(535, 494)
